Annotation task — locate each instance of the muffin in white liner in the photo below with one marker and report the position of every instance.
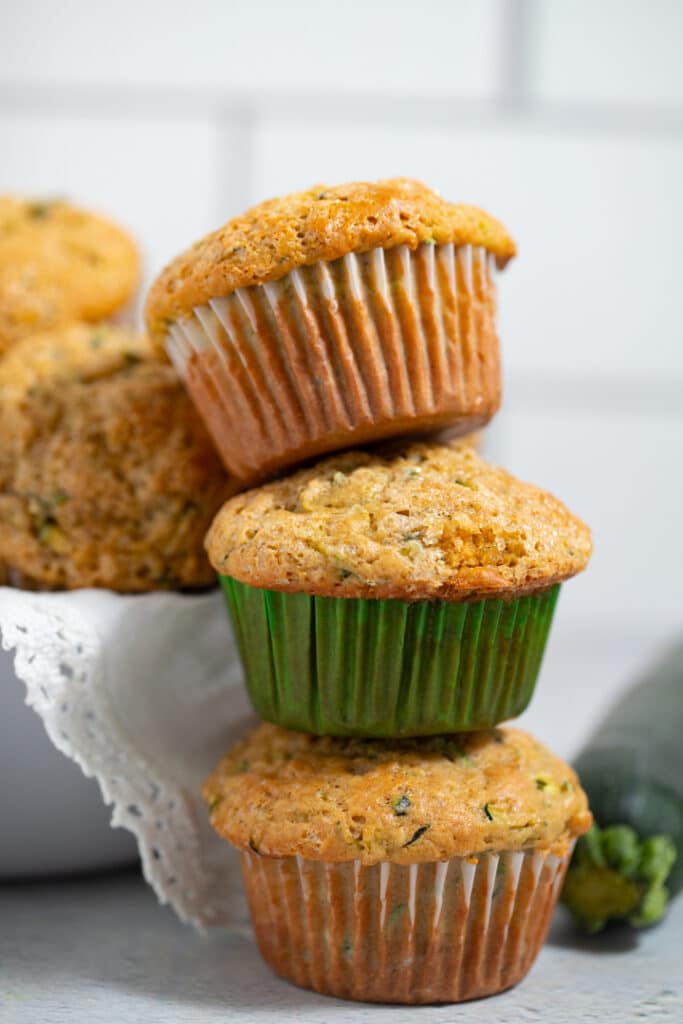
(336, 317)
(371, 345)
(435, 932)
(402, 871)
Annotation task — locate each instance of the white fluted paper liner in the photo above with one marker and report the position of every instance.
(420, 933)
(145, 693)
(369, 346)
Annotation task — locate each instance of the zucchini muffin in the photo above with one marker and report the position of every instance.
(403, 591)
(406, 871)
(335, 317)
(107, 475)
(59, 263)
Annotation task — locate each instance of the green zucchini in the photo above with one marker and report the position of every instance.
(632, 771)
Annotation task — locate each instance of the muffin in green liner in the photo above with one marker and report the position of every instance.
(398, 592)
(362, 667)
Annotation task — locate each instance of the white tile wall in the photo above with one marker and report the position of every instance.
(384, 46)
(598, 220)
(563, 118)
(614, 51)
(620, 473)
(156, 175)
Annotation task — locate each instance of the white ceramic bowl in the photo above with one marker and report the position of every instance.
(52, 818)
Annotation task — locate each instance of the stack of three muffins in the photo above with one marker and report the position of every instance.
(391, 604)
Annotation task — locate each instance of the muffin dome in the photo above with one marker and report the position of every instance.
(284, 793)
(416, 521)
(107, 475)
(323, 223)
(59, 263)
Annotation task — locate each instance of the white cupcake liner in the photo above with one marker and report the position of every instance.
(368, 346)
(419, 933)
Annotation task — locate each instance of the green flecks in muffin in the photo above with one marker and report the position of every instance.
(132, 358)
(97, 340)
(323, 195)
(412, 535)
(430, 240)
(344, 574)
(488, 812)
(401, 805)
(414, 472)
(567, 786)
(51, 535)
(417, 834)
(214, 800)
(541, 783)
(40, 210)
(466, 483)
(187, 512)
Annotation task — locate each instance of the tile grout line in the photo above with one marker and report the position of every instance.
(235, 130)
(655, 395)
(517, 53)
(521, 111)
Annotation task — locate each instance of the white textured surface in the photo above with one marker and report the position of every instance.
(102, 951)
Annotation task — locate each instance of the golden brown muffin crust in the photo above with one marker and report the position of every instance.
(59, 263)
(107, 475)
(323, 223)
(75, 352)
(285, 793)
(413, 521)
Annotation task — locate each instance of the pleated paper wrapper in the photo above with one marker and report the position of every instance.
(419, 933)
(373, 345)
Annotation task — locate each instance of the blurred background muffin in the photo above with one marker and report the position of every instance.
(59, 263)
(107, 475)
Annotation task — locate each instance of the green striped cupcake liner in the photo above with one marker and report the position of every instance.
(342, 666)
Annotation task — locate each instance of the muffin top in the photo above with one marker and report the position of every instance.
(107, 475)
(285, 793)
(75, 353)
(410, 521)
(59, 263)
(279, 235)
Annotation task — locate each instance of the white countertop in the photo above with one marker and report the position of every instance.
(102, 951)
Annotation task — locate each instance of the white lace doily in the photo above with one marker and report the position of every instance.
(144, 693)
